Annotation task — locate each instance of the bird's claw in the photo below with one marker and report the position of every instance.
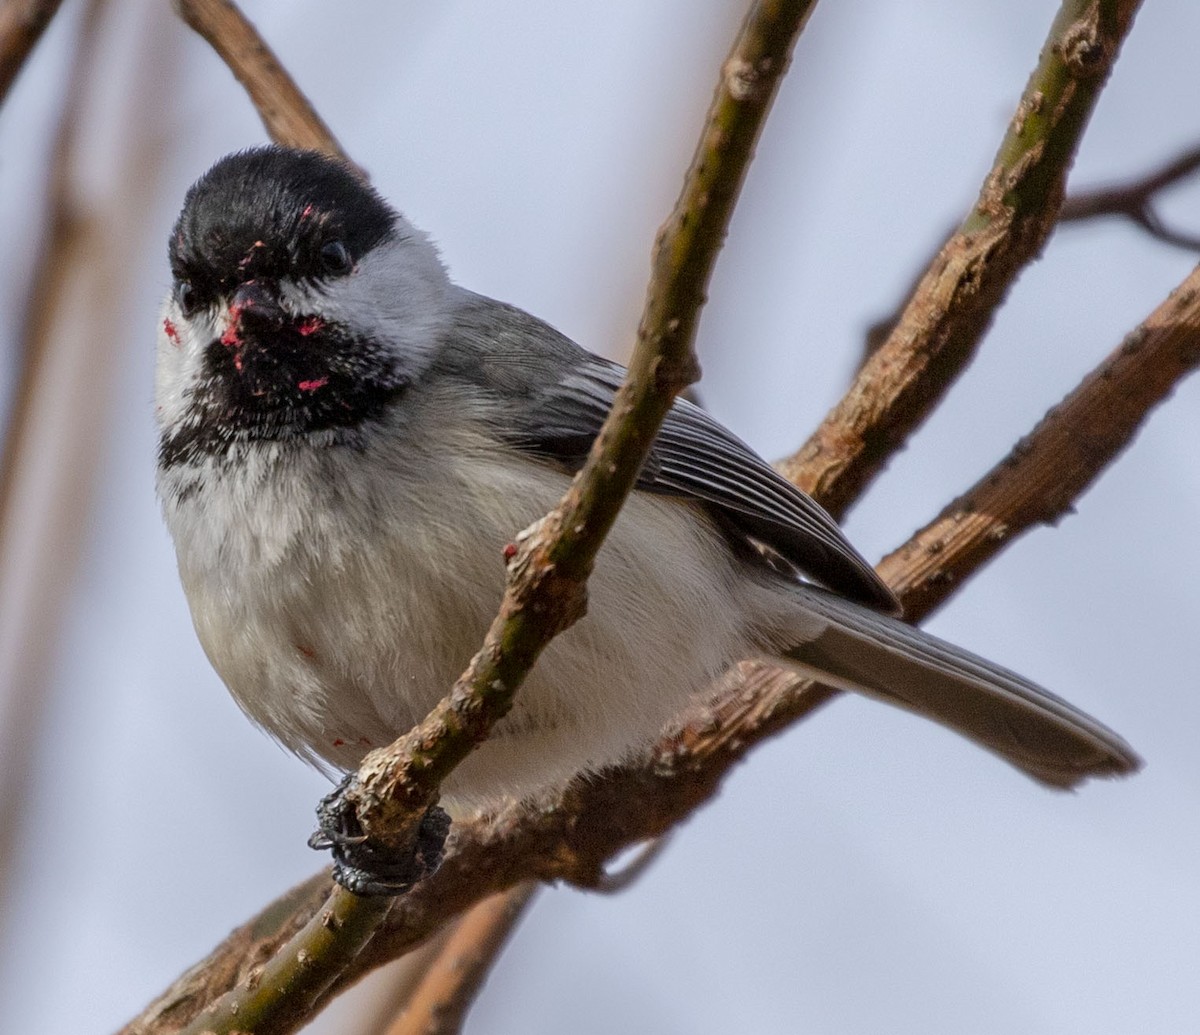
(366, 867)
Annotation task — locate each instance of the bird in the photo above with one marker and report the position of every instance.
(347, 442)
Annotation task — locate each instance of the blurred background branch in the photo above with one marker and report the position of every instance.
(58, 400)
(455, 977)
(1135, 201)
(22, 23)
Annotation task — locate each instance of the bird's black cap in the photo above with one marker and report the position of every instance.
(273, 212)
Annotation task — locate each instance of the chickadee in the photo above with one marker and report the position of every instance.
(347, 443)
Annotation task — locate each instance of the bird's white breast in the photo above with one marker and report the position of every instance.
(339, 593)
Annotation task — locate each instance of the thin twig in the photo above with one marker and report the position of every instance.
(548, 573)
(953, 304)
(287, 114)
(1135, 200)
(22, 23)
(547, 576)
(456, 977)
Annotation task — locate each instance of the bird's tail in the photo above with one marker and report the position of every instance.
(1039, 733)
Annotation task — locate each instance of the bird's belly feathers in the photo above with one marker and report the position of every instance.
(339, 613)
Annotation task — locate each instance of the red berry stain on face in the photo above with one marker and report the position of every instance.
(309, 325)
(171, 332)
(232, 338)
(232, 335)
(249, 256)
(510, 551)
(339, 743)
(313, 385)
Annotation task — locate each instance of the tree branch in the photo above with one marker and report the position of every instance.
(573, 836)
(547, 575)
(1039, 480)
(282, 994)
(1133, 200)
(22, 23)
(286, 113)
(593, 819)
(242, 954)
(546, 590)
(613, 882)
(455, 978)
(952, 306)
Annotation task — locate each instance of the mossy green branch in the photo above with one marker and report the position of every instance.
(952, 305)
(549, 566)
(281, 994)
(551, 563)
(1037, 151)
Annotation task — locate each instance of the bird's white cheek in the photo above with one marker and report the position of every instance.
(399, 293)
(180, 349)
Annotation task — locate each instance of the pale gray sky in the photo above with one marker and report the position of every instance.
(865, 873)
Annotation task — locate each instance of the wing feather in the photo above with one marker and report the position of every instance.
(559, 396)
(696, 458)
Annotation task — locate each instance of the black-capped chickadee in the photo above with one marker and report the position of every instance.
(349, 441)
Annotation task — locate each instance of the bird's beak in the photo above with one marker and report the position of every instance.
(255, 308)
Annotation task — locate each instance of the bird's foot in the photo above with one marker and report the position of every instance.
(367, 867)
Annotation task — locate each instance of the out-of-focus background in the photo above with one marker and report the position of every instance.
(867, 872)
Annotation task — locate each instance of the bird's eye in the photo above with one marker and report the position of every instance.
(188, 300)
(335, 257)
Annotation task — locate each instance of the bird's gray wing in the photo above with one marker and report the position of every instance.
(554, 397)
(695, 457)
(560, 395)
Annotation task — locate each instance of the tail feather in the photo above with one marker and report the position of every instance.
(1031, 728)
